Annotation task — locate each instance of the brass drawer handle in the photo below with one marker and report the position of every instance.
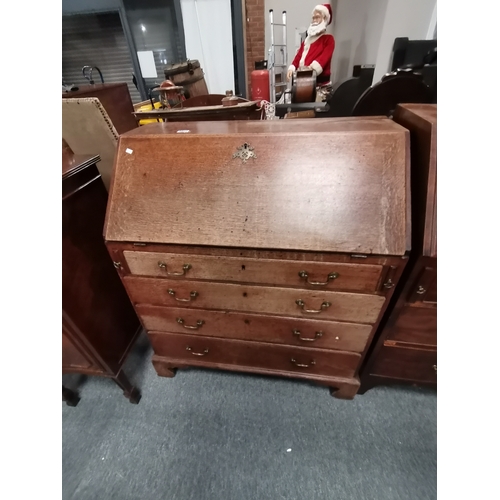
(196, 353)
(331, 276)
(301, 303)
(192, 296)
(301, 365)
(185, 268)
(317, 336)
(198, 325)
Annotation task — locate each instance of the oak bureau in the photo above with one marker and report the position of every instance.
(268, 247)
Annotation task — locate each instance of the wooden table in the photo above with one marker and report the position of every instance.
(241, 111)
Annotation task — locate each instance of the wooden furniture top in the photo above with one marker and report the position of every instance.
(369, 124)
(333, 185)
(85, 89)
(72, 163)
(421, 120)
(424, 112)
(241, 107)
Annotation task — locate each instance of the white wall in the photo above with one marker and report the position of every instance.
(298, 16)
(209, 39)
(364, 30)
(357, 34)
(403, 18)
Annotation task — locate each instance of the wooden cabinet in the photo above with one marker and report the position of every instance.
(406, 347)
(99, 324)
(266, 247)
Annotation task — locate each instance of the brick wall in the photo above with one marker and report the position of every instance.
(254, 36)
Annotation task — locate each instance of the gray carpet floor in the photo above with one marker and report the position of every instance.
(212, 435)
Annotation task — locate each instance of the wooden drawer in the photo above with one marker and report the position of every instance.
(424, 289)
(358, 308)
(415, 325)
(209, 351)
(329, 275)
(408, 364)
(274, 329)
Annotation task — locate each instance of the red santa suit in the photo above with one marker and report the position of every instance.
(316, 52)
(317, 49)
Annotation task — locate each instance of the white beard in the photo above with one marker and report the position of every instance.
(316, 29)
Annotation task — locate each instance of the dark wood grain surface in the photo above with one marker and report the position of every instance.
(275, 329)
(72, 163)
(353, 199)
(205, 100)
(236, 353)
(283, 264)
(99, 322)
(406, 365)
(359, 308)
(406, 341)
(421, 120)
(247, 110)
(313, 275)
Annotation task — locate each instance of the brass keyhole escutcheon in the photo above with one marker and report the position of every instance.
(245, 152)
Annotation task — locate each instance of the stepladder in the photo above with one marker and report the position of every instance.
(278, 57)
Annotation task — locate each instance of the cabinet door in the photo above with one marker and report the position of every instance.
(72, 356)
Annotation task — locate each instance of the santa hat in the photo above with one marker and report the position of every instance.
(326, 10)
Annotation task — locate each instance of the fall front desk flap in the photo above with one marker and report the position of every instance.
(339, 185)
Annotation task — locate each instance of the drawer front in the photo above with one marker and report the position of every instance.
(213, 351)
(353, 307)
(312, 275)
(274, 329)
(415, 325)
(424, 289)
(408, 364)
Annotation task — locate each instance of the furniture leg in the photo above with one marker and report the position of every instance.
(164, 370)
(70, 396)
(129, 391)
(345, 390)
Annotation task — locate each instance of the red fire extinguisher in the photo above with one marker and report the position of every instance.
(259, 82)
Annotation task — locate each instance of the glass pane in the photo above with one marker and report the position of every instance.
(154, 28)
(96, 40)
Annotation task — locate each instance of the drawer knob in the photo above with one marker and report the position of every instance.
(421, 290)
(185, 269)
(301, 365)
(435, 367)
(190, 349)
(305, 339)
(324, 305)
(389, 284)
(331, 276)
(198, 325)
(192, 296)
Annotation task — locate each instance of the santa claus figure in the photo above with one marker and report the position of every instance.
(316, 50)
